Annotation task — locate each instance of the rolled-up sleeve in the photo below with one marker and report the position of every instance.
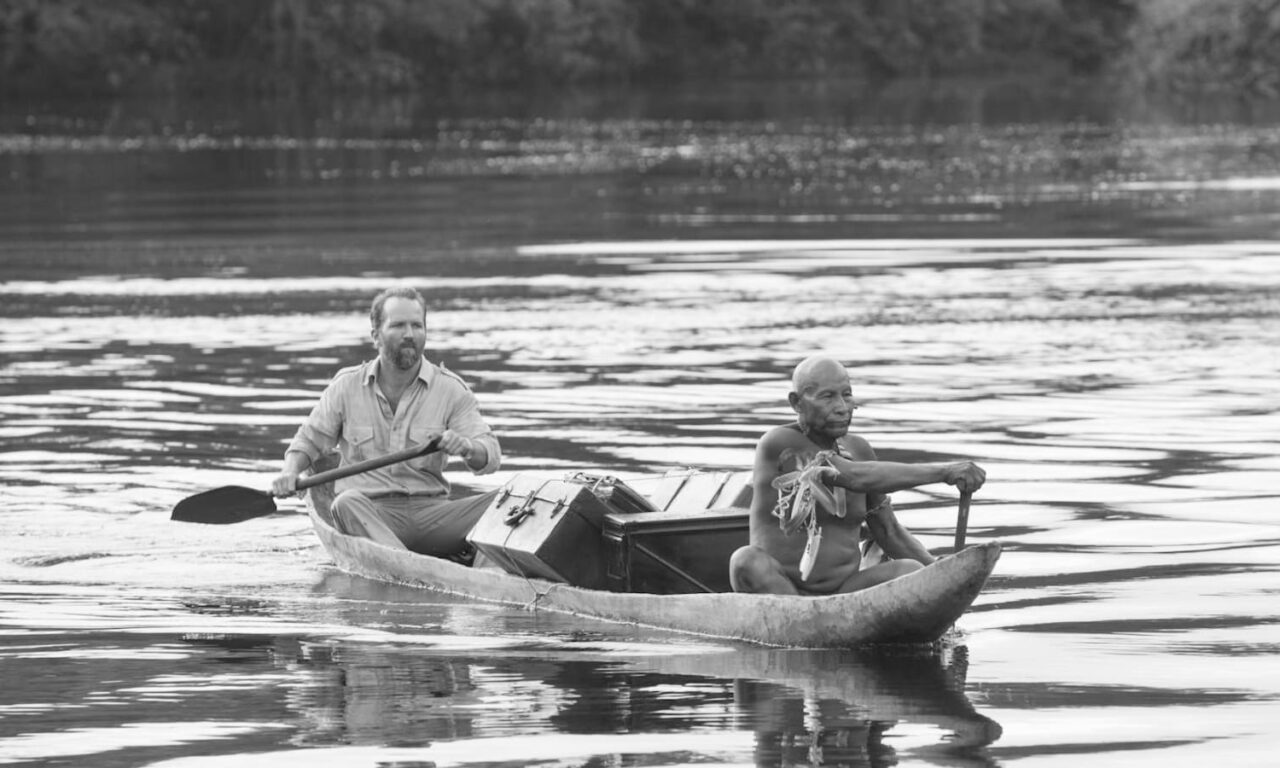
(494, 451)
(468, 421)
(319, 434)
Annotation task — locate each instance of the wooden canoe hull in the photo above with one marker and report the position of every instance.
(917, 608)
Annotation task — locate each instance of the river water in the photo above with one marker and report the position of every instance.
(1081, 294)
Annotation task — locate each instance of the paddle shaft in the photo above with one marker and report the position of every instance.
(328, 476)
(962, 518)
(233, 504)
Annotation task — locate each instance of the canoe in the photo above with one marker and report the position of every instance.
(917, 608)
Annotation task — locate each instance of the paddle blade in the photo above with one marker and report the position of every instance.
(222, 506)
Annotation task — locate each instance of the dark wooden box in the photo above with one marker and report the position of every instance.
(545, 528)
(673, 552)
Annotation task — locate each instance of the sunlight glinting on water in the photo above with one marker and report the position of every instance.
(232, 286)
(719, 749)
(1256, 510)
(1243, 184)
(33, 459)
(695, 456)
(199, 333)
(1088, 640)
(1156, 536)
(1065, 736)
(907, 247)
(1049, 491)
(1238, 482)
(192, 391)
(72, 397)
(179, 421)
(81, 742)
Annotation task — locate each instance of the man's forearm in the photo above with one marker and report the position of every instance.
(906, 546)
(896, 541)
(886, 476)
(295, 462)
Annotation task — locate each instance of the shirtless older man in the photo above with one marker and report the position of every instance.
(775, 562)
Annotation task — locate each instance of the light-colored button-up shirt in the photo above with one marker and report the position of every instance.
(356, 418)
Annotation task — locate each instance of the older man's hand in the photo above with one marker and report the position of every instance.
(966, 476)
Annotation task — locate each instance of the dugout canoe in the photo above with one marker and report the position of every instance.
(918, 608)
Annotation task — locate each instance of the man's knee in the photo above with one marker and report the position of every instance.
(355, 514)
(342, 511)
(348, 499)
(896, 568)
(345, 511)
(751, 569)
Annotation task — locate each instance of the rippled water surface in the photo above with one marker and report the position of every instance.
(1087, 305)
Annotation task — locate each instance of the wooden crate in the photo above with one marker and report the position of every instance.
(546, 528)
(673, 552)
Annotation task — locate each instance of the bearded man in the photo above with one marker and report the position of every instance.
(388, 404)
(829, 483)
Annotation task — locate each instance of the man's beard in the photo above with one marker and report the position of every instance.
(405, 357)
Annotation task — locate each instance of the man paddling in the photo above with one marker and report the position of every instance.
(829, 483)
(387, 404)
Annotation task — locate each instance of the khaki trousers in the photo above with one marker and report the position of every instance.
(430, 525)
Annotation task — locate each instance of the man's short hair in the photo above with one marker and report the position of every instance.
(397, 292)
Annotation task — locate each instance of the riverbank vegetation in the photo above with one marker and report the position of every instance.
(52, 47)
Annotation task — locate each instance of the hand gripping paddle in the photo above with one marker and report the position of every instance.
(235, 504)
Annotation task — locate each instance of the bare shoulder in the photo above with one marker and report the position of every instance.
(779, 438)
(771, 450)
(781, 443)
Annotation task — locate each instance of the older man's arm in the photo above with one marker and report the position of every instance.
(893, 537)
(890, 476)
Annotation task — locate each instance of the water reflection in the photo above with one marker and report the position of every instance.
(371, 696)
(863, 708)
(391, 668)
(799, 708)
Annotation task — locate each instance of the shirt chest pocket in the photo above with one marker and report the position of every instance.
(361, 443)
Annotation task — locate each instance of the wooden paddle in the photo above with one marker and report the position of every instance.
(962, 520)
(234, 503)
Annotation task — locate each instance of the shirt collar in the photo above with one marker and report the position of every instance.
(426, 372)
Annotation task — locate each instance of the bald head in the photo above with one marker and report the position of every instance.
(816, 371)
(822, 397)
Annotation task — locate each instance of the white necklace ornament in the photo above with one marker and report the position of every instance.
(800, 493)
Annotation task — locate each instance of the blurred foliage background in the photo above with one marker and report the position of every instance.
(312, 46)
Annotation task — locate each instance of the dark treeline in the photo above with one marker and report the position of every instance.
(272, 46)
